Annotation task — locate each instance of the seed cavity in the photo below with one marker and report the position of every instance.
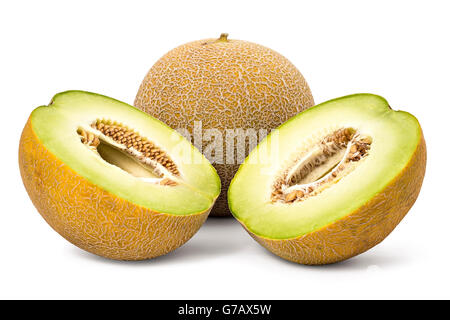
(122, 146)
(321, 165)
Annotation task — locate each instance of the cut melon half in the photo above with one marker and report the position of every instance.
(112, 179)
(331, 182)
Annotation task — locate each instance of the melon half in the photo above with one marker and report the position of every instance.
(331, 182)
(113, 180)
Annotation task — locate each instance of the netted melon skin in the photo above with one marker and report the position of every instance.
(360, 230)
(225, 85)
(92, 218)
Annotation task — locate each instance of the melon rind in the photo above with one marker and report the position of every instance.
(361, 229)
(92, 218)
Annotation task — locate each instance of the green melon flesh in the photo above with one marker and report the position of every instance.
(395, 135)
(56, 127)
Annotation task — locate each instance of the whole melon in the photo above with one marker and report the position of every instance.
(227, 87)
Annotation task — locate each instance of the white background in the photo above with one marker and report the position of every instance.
(398, 49)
